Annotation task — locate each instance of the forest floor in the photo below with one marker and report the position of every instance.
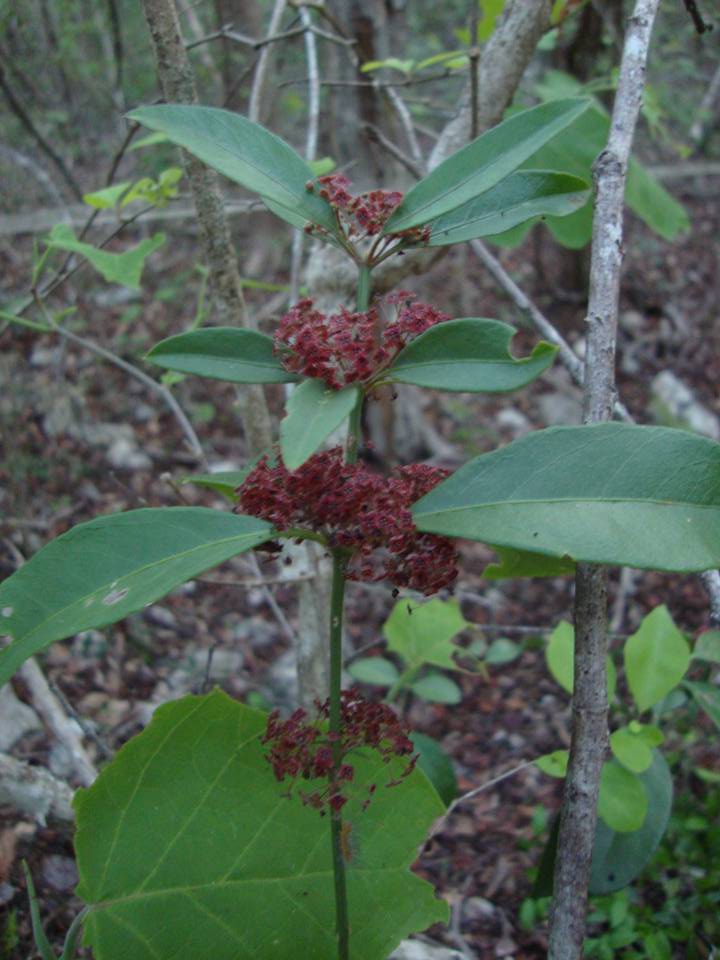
(82, 439)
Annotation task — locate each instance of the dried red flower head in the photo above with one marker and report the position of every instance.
(364, 215)
(346, 347)
(361, 511)
(302, 749)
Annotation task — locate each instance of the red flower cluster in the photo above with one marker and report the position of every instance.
(299, 748)
(349, 347)
(366, 214)
(359, 510)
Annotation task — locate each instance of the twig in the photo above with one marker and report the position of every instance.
(62, 727)
(263, 62)
(589, 703)
(403, 114)
(698, 129)
(375, 133)
(701, 26)
(154, 385)
(24, 118)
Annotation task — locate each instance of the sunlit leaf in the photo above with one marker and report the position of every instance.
(657, 657)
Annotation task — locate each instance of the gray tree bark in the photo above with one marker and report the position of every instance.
(178, 85)
(589, 705)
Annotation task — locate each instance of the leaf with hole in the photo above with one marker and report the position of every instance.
(422, 633)
(222, 353)
(260, 882)
(314, 411)
(521, 196)
(483, 163)
(657, 657)
(608, 493)
(244, 152)
(469, 354)
(99, 572)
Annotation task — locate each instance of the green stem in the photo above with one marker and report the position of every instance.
(337, 597)
(364, 290)
(404, 680)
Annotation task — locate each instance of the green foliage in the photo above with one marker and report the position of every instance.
(468, 354)
(314, 411)
(246, 153)
(99, 572)
(482, 164)
(656, 658)
(521, 196)
(436, 765)
(607, 493)
(222, 353)
(123, 268)
(560, 658)
(230, 864)
(623, 801)
(157, 193)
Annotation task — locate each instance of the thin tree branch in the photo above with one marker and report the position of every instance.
(589, 704)
(258, 88)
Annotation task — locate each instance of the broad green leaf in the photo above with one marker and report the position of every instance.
(560, 658)
(520, 563)
(501, 651)
(314, 411)
(187, 846)
(99, 572)
(223, 353)
(623, 801)
(422, 632)
(483, 163)
(519, 197)
(491, 10)
(707, 696)
(123, 268)
(631, 750)
(657, 657)
(647, 732)
(107, 197)
(607, 493)
(707, 647)
(246, 153)
(436, 765)
(375, 670)
(619, 857)
(554, 764)
(469, 354)
(575, 149)
(437, 689)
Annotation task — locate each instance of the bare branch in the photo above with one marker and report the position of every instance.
(589, 704)
(258, 88)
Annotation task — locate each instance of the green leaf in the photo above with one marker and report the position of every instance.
(469, 354)
(376, 670)
(560, 658)
(707, 696)
(437, 689)
(623, 801)
(520, 563)
(436, 765)
(99, 572)
(123, 268)
(246, 153)
(707, 647)
(521, 196)
(392, 63)
(657, 657)
(608, 493)
(574, 150)
(618, 858)
(222, 353)
(151, 140)
(314, 411)
(225, 482)
(482, 163)
(631, 750)
(421, 633)
(501, 651)
(107, 197)
(230, 867)
(491, 10)
(554, 764)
